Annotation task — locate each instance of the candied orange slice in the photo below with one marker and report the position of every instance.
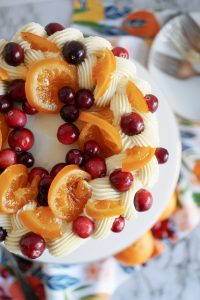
(103, 72)
(45, 79)
(100, 209)
(12, 182)
(3, 74)
(42, 221)
(39, 43)
(137, 157)
(69, 192)
(104, 113)
(4, 129)
(101, 131)
(136, 98)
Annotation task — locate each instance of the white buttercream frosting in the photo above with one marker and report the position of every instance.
(32, 56)
(85, 76)
(102, 189)
(2, 45)
(103, 228)
(3, 87)
(13, 238)
(149, 173)
(5, 222)
(66, 35)
(18, 72)
(114, 162)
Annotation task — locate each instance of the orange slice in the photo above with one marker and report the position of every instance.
(100, 209)
(136, 98)
(39, 43)
(137, 158)
(12, 181)
(69, 192)
(101, 131)
(3, 74)
(4, 129)
(42, 221)
(103, 72)
(45, 79)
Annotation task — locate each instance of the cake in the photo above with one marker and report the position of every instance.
(109, 128)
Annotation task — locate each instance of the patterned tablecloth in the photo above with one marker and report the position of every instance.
(98, 280)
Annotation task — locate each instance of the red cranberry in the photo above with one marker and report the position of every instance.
(162, 155)
(83, 227)
(56, 169)
(44, 184)
(42, 199)
(69, 113)
(16, 118)
(68, 134)
(26, 158)
(5, 103)
(21, 139)
(92, 148)
(67, 95)
(37, 171)
(84, 99)
(143, 200)
(121, 52)
(96, 166)
(118, 224)
(3, 234)
(5, 273)
(8, 157)
(132, 124)
(74, 52)
(164, 229)
(16, 90)
(121, 181)
(32, 245)
(51, 28)
(13, 54)
(75, 157)
(152, 102)
(28, 109)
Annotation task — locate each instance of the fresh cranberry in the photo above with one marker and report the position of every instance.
(152, 102)
(56, 169)
(83, 227)
(143, 200)
(164, 229)
(16, 90)
(68, 134)
(74, 52)
(3, 234)
(13, 54)
(51, 28)
(32, 245)
(69, 113)
(118, 224)
(26, 158)
(92, 148)
(84, 99)
(44, 184)
(67, 95)
(162, 155)
(8, 157)
(16, 118)
(75, 157)
(5, 103)
(28, 109)
(132, 124)
(5, 273)
(42, 199)
(121, 181)
(21, 139)
(120, 52)
(37, 171)
(96, 166)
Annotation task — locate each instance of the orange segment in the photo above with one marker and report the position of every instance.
(42, 221)
(4, 129)
(101, 131)
(103, 72)
(12, 182)
(39, 43)
(69, 192)
(100, 209)
(45, 79)
(3, 74)
(136, 98)
(137, 157)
